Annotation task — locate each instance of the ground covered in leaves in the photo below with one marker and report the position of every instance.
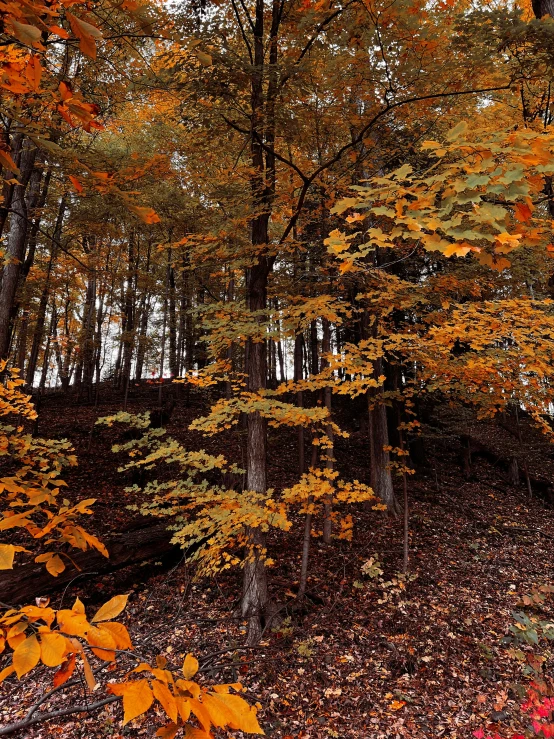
(370, 654)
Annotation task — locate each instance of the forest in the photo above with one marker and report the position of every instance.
(277, 369)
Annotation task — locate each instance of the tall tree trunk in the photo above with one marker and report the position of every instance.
(15, 250)
(128, 338)
(329, 452)
(172, 316)
(381, 477)
(298, 376)
(543, 7)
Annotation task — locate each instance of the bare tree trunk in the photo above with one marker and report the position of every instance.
(306, 541)
(46, 357)
(298, 376)
(15, 250)
(329, 453)
(381, 477)
(173, 357)
(128, 337)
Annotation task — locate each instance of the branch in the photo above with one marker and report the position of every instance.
(18, 726)
(264, 146)
(313, 39)
(359, 138)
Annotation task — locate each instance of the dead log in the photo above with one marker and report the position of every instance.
(146, 540)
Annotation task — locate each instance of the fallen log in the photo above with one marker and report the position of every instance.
(146, 540)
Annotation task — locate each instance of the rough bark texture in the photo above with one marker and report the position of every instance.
(27, 582)
(381, 478)
(543, 7)
(15, 250)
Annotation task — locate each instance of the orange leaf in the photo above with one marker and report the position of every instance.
(111, 609)
(137, 698)
(65, 671)
(190, 666)
(52, 649)
(7, 162)
(164, 696)
(523, 213)
(26, 655)
(148, 215)
(86, 33)
(76, 184)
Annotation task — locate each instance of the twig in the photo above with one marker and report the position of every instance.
(12, 728)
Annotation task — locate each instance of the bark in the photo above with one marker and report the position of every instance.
(329, 453)
(145, 541)
(306, 541)
(299, 375)
(128, 337)
(15, 249)
(144, 312)
(46, 358)
(543, 7)
(173, 356)
(8, 189)
(255, 600)
(381, 477)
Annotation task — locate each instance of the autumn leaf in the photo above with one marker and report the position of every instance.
(25, 33)
(86, 33)
(148, 215)
(190, 666)
(7, 553)
(137, 698)
(164, 696)
(76, 184)
(52, 649)
(111, 609)
(26, 655)
(167, 732)
(65, 671)
(7, 162)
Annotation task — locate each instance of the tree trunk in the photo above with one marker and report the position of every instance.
(381, 477)
(329, 452)
(15, 250)
(543, 7)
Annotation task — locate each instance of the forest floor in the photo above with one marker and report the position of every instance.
(367, 657)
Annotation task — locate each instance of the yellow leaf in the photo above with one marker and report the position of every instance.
(190, 666)
(54, 565)
(166, 698)
(111, 609)
(52, 649)
(119, 633)
(5, 672)
(183, 706)
(26, 655)
(192, 733)
(89, 676)
(100, 637)
(167, 732)
(71, 623)
(137, 698)
(221, 715)
(78, 606)
(7, 552)
(245, 715)
(201, 713)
